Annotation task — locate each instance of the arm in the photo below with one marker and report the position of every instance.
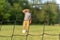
(30, 20)
(23, 11)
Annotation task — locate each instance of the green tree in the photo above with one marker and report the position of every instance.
(4, 9)
(50, 12)
(46, 13)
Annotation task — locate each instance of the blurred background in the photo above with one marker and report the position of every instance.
(43, 11)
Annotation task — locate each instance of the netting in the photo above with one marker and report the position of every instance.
(14, 35)
(42, 33)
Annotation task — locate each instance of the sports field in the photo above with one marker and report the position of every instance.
(34, 30)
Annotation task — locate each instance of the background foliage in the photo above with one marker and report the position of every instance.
(11, 11)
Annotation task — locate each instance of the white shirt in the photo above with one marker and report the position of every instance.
(27, 16)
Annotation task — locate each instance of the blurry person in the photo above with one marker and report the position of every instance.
(27, 20)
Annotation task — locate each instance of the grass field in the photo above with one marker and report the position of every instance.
(7, 30)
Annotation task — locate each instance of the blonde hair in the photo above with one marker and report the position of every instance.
(26, 10)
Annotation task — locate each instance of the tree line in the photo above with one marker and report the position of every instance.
(11, 12)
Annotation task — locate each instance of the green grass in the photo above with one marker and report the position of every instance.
(7, 30)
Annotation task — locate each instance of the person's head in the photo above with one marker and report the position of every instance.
(26, 10)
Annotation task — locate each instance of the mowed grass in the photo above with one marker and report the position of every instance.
(7, 30)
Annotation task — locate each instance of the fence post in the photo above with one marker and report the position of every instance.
(59, 36)
(13, 33)
(43, 32)
(1, 24)
(27, 34)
